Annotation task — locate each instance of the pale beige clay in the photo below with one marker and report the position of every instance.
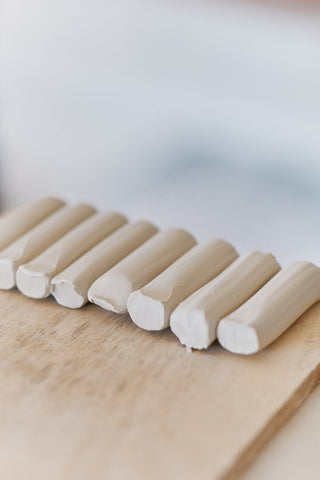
(111, 291)
(70, 287)
(18, 221)
(151, 306)
(34, 278)
(38, 239)
(266, 315)
(195, 320)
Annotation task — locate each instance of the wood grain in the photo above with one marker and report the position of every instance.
(292, 454)
(87, 395)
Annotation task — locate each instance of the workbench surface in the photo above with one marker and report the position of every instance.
(86, 394)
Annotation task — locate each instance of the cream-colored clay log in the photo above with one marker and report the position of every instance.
(70, 287)
(195, 320)
(151, 306)
(275, 307)
(111, 291)
(18, 221)
(38, 239)
(34, 278)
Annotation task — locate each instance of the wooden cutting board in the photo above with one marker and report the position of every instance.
(87, 395)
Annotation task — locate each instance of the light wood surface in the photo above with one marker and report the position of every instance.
(293, 454)
(86, 394)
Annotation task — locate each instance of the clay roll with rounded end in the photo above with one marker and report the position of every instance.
(34, 278)
(266, 315)
(19, 220)
(38, 239)
(195, 320)
(70, 287)
(111, 291)
(151, 306)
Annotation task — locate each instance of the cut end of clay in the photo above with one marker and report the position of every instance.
(66, 295)
(7, 274)
(107, 305)
(191, 328)
(238, 337)
(33, 284)
(112, 293)
(146, 312)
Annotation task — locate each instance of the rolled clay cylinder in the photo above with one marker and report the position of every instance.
(195, 320)
(111, 291)
(275, 307)
(18, 221)
(33, 278)
(38, 239)
(151, 306)
(70, 287)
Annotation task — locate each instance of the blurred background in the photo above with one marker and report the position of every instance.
(201, 114)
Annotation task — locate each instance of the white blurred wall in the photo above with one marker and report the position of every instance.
(114, 101)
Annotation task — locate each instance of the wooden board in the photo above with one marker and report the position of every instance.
(293, 453)
(87, 395)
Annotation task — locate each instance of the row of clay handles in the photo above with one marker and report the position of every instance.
(163, 279)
